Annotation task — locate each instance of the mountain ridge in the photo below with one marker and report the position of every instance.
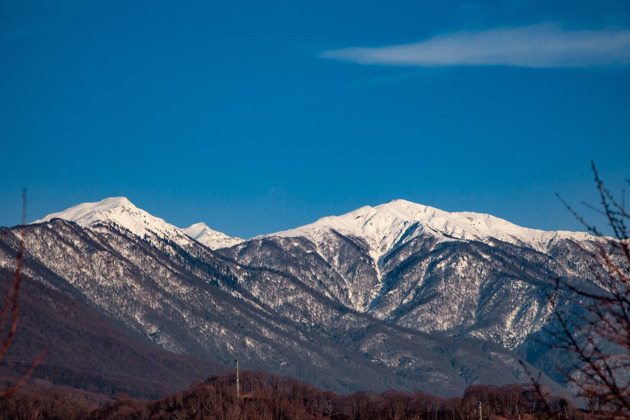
(451, 225)
(121, 212)
(367, 222)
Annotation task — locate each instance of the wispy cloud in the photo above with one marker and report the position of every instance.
(542, 45)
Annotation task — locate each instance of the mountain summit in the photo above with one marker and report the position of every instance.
(211, 238)
(387, 226)
(120, 213)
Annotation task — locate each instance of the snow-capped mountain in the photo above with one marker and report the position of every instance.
(401, 292)
(388, 226)
(211, 238)
(120, 213)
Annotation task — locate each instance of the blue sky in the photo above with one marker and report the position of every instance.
(261, 116)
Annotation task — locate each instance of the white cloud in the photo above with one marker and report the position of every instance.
(541, 45)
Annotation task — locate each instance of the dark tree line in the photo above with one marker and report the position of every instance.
(265, 396)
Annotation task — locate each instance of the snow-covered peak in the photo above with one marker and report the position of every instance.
(209, 237)
(389, 225)
(119, 212)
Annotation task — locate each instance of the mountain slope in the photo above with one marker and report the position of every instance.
(89, 351)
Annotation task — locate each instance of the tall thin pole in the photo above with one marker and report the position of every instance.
(480, 411)
(237, 382)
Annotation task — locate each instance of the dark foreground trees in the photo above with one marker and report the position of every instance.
(267, 396)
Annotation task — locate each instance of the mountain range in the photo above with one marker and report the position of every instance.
(399, 295)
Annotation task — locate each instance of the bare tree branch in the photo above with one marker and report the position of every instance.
(597, 328)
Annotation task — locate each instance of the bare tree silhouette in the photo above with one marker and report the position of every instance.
(594, 322)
